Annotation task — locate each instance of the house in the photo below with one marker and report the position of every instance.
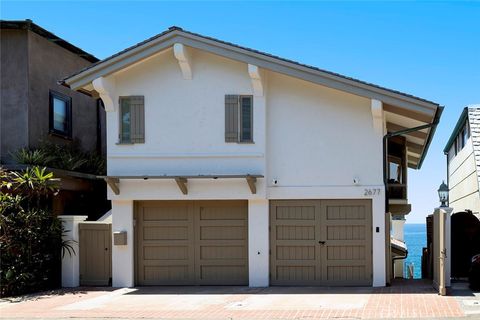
(36, 110)
(230, 166)
(463, 173)
(463, 161)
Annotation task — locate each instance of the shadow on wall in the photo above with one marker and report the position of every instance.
(465, 242)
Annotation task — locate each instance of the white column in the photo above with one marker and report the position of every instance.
(71, 262)
(122, 255)
(378, 241)
(258, 243)
(448, 245)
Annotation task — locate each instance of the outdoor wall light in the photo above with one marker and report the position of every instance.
(443, 194)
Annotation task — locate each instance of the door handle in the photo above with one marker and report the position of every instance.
(321, 242)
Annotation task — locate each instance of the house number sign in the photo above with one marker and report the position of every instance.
(372, 192)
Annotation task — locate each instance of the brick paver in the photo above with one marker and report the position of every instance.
(401, 301)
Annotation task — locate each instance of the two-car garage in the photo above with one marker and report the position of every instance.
(312, 242)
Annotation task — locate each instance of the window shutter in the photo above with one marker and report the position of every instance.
(231, 118)
(137, 123)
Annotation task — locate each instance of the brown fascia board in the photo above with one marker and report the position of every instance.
(173, 35)
(30, 25)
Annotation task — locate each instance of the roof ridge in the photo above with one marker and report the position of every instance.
(179, 29)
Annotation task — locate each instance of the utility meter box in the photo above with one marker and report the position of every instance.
(120, 238)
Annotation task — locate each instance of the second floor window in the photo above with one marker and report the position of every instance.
(132, 120)
(238, 118)
(60, 114)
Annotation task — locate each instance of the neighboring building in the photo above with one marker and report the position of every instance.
(35, 109)
(228, 166)
(463, 161)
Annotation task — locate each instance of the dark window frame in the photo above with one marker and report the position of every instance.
(68, 103)
(240, 119)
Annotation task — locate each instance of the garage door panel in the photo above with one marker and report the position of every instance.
(192, 242)
(216, 252)
(346, 213)
(320, 242)
(295, 213)
(222, 274)
(297, 274)
(346, 232)
(155, 252)
(168, 214)
(222, 233)
(168, 274)
(289, 232)
(166, 233)
(346, 252)
(295, 252)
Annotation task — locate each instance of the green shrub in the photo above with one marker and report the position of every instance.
(30, 236)
(62, 157)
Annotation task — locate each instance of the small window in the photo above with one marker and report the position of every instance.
(132, 120)
(395, 171)
(464, 137)
(60, 114)
(246, 119)
(238, 118)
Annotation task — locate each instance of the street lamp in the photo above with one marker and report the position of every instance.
(443, 194)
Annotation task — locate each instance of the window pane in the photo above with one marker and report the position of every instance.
(125, 114)
(60, 115)
(246, 116)
(464, 137)
(395, 173)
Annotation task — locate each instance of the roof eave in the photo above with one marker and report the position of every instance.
(175, 35)
(461, 120)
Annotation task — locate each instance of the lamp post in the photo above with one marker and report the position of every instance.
(443, 194)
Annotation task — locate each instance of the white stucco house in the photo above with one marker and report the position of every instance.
(229, 166)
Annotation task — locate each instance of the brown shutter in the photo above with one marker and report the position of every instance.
(231, 118)
(137, 123)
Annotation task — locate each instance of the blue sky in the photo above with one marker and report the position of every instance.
(428, 49)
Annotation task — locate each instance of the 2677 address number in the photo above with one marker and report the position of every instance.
(371, 192)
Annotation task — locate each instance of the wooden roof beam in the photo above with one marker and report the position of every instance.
(113, 184)
(251, 184)
(182, 184)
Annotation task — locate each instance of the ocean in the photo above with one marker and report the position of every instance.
(416, 239)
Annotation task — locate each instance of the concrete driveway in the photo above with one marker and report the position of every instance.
(400, 301)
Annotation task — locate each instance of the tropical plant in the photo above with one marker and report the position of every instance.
(70, 158)
(30, 236)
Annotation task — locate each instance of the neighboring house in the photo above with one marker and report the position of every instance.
(463, 161)
(35, 109)
(229, 166)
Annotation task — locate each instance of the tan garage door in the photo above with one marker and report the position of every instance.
(321, 242)
(191, 243)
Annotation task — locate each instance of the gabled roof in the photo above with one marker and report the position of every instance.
(406, 110)
(29, 25)
(470, 113)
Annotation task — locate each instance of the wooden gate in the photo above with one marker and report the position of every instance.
(95, 254)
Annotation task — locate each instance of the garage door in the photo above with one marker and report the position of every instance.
(321, 242)
(191, 243)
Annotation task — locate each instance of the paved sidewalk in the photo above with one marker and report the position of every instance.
(412, 301)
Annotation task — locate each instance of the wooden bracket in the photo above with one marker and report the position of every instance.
(251, 184)
(113, 184)
(182, 184)
(182, 54)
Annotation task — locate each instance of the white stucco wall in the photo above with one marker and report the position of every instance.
(463, 181)
(315, 141)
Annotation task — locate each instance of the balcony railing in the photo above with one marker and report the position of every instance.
(397, 191)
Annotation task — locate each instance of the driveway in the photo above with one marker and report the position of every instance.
(415, 300)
